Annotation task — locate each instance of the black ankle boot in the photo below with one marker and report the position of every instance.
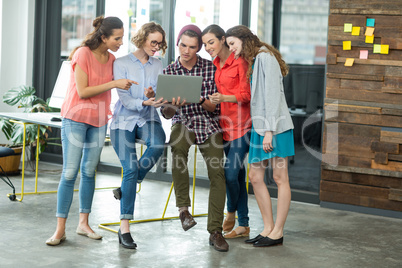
(126, 240)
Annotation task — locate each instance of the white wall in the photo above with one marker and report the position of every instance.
(16, 47)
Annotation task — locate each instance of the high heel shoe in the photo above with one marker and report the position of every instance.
(126, 240)
(268, 242)
(55, 241)
(93, 235)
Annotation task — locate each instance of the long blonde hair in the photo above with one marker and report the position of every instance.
(252, 46)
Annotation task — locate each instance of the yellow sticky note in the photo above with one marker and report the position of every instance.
(369, 31)
(192, 19)
(347, 27)
(370, 39)
(347, 45)
(356, 31)
(384, 49)
(130, 12)
(349, 62)
(377, 49)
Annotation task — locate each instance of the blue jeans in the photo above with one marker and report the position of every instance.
(82, 146)
(133, 170)
(235, 174)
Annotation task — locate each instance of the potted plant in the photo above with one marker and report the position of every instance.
(24, 97)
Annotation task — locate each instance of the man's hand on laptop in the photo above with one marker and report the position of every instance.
(149, 92)
(178, 103)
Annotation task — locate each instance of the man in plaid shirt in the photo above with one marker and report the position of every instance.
(197, 123)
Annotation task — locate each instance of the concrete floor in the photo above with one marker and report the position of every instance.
(314, 236)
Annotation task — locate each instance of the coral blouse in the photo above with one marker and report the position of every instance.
(94, 110)
(231, 79)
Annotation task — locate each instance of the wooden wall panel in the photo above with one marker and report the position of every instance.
(362, 138)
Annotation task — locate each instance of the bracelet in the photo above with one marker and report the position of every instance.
(203, 100)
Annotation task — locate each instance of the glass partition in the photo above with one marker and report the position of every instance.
(225, 13)
(261, 19)
(77, 17)
(304, 25)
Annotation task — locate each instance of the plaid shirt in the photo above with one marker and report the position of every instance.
(193, 116)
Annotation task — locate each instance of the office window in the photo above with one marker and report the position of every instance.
(133, 13)
(261, 19)
(225, 13)
(304, 25)
(77, 17)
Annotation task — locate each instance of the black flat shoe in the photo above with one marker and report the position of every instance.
(268, 242)
(253, 240)
(117, 193)
(126, 240)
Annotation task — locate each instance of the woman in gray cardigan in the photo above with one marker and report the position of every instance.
(271, 139)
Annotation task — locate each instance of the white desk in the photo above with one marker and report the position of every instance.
(44, 119)
(25, 119)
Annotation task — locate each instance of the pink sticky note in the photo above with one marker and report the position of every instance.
(364, 54)
(187, 13)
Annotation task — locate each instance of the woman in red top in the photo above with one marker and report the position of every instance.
(234, 97)
(85, 114)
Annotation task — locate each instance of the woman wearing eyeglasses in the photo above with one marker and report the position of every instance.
(135, 117)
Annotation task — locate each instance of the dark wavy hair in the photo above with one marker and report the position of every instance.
(141, 36)
(252, 46)
(215, 30)
(102, 27)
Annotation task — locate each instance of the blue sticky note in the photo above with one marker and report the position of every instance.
(143, 11)
(370, 22)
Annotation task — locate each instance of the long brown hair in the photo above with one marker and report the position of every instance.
(141, 36)
(251, 47)
(102, 27)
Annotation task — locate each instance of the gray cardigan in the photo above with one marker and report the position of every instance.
(269, 111)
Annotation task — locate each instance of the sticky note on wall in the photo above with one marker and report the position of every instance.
(192, 19)
(347, 45)
(364, 54)
(347, 28)
(384, 49)
(369, 31)
(377, 49)
(370, 22)
(349, 62)
(356, 31)
(370, 39)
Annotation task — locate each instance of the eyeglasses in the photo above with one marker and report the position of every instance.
(155, 43)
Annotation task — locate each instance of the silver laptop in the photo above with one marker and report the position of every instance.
(184, 86)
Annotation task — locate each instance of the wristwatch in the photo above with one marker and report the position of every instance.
(203, 100)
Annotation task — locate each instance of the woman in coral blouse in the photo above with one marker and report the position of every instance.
(85, 114)
(234, 97)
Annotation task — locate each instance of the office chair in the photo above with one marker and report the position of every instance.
(5, 151)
